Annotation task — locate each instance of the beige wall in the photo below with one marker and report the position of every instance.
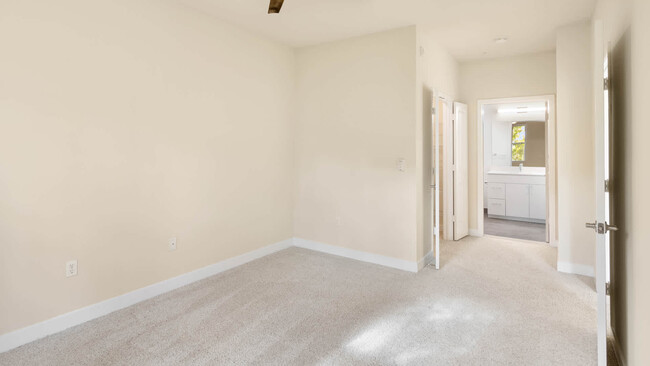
(520, 76)
(437, 71)
(358, 113)
(575, 145)
(638, 233)
(356, 116)
(125, 123)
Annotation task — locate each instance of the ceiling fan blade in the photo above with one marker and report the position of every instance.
(275, 6)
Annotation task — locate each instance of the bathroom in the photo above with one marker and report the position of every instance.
(515, 165)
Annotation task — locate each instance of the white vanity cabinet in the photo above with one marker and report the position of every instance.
(517, 197)
(538, 202)
(518, 200)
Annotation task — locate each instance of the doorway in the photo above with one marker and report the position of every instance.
(516, 168)
(452, 164)
(449, 172)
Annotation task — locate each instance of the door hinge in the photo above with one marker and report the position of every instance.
(433, 110)
(608, 288)
(607, 185)
(606, 84)
(453, 218)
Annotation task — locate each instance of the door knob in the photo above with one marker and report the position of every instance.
(610, 227)
(601, 228)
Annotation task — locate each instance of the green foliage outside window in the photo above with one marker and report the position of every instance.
(518, 143)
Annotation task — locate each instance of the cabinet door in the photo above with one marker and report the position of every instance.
(538, 202)
(518, 200)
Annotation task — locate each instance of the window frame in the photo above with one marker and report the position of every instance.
(513, 143)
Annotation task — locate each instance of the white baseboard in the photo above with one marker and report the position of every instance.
(428, 258)
(62, 322)
(402, 264)
(474, 232)
(579, 269)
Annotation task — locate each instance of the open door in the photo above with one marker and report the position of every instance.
(618, 95)
(603, 157)
(435, 179)
(460, 172)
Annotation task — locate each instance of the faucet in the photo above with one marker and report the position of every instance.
(521, 167)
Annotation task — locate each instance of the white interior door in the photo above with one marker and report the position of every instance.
(601, 226)
(461, 172)
(447, 149)
(435, 179)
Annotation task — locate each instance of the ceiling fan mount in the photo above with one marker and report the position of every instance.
(275, 6)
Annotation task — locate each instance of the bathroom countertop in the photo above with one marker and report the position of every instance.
(517, 171)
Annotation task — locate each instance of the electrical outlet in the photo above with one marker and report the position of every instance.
(172, 244)
(71, 268)
(339, 222)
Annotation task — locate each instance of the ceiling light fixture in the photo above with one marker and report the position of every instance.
(522, 110)
(501, 40)
(275, 6)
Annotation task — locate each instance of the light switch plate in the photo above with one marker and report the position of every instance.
(401, 164)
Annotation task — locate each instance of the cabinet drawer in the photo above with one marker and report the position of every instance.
(496, 207)
(496, 190)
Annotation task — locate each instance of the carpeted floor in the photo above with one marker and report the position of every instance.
(493, 302)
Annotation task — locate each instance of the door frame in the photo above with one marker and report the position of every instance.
(460, 167)
(551, 162)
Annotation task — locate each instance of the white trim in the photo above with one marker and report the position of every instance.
(447, 171)
(428, 258)
(402, 264)
(551, 162)
(62, 322)
(476, 233)
(573, 268)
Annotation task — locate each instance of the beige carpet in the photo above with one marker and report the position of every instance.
(494, 302)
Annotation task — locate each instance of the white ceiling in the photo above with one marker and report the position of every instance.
(467, 28)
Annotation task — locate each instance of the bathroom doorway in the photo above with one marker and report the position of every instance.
(517, 180)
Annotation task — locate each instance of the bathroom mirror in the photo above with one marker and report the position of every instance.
(515, 139)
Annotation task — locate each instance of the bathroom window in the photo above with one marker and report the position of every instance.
(518, 143)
